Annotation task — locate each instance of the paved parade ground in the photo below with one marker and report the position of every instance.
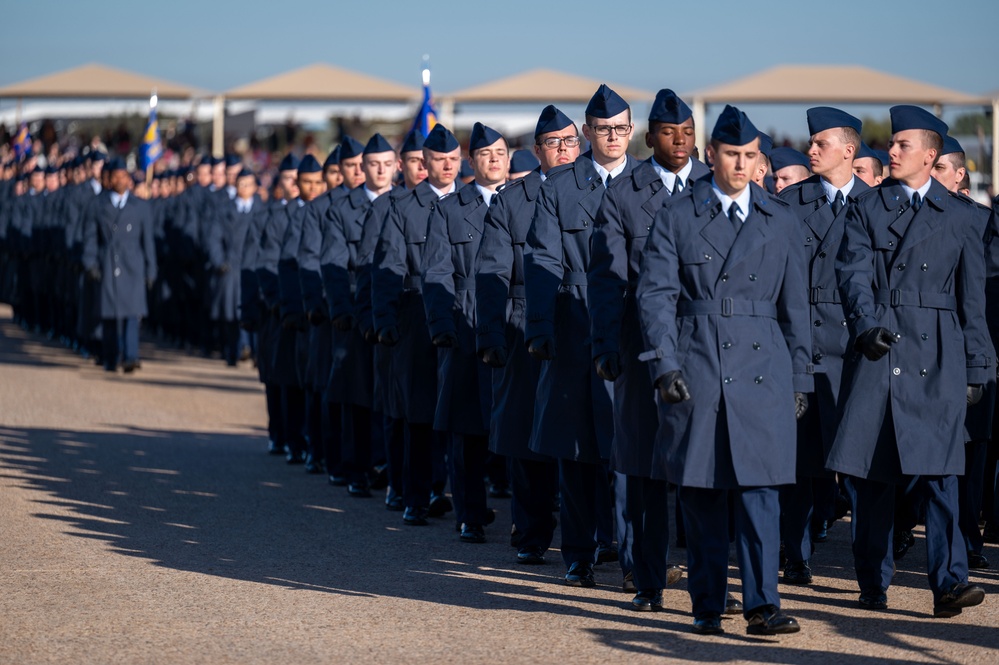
(141, 521)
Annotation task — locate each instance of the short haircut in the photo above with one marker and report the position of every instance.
(956, 159)
(851, 137)
(933, 141)
(877, 168)
(965, 181)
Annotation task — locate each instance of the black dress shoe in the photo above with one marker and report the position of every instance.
(490, 516)
(708, 625)
(313, 465)
(129, 366)
(732, 605)
(338, 481)
(606, 554)
(873, 599)
(580, 573)
(295, 457)
(977, 561)
(797, 572)
(902, 541)
(393, 502)
(532, 556)
(673, 575)
(628, 585)
(439, 504)
(472, 533)
(648, 601)
(415, 517)
(379, 477)
(768, 620)
(959, 596)
(358, 491)
(274, 448)
(515, 536)
(820, 531)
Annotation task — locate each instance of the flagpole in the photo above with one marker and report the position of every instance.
(149, 167)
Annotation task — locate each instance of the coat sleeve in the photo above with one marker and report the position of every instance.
(793, 310)
(373, 221)
(309, 251)
(657, 294)
(216, 245)
(334, 263)
(149, 244)
(289, 286)
(270, 252)
(90, 240)
(855, 271)
(388, 271)
(438, 274)
(492, 278)
(970, 292)
(543, 267)
(607, 278)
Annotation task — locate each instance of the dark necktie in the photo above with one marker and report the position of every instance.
(607, 182)
(733, 215)
(917, 202)
(677, 186)
(837, 203)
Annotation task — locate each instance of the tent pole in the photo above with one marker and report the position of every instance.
(699, 135)
(218, 127)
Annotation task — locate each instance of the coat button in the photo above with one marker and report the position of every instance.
(756, 346)
(470, 235)
(843, 323)
(817, 358)
(707, 257)
(901, 266)
(128, 227)
(724, 277)
(727, 380)
(752, 278)
(896, 371)
(923, 372)
(117, 271)
(808, 239)
(822, 255)
(817, 323)
(726, 345)
(924, 267)
(758, 379)
(924, 337)
(891, 244)
(585, 224)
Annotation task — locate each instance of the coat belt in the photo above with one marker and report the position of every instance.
(727, 307)
(574, 278)
(517, 291)
(818, 294)
(412, 283)
(464, 284)
(925, 299)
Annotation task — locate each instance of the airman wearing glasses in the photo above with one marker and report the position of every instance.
(573, 420)
(500, 315)
(622, 226)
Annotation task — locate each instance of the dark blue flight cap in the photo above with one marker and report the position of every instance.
(781, 157)
(466, 170)
(951, 146)
(51, 169)
(183, 171)
(413, 142)
(350, 147)
(232, 160)
(766, 144)
(482, 137)
(377, 143)
(215, 161)
(551, 120)
(883, 157)
(866, 151)
(821, 118)
(309, 164)
(669, 108)
(245, 172)
(117, 164)
(905, 117)
(97, 156)
(441, 140)
(523, 160)
(605, 103)
(733, 127)
(333, 159)
(289, 163)
(205, 160)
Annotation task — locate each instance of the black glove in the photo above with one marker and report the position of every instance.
(542, 347)
(388, 336)
(295, 321)
(94, 274)
(445, 340)
(344, 322)
(875, 342)
(495, 356)
(224, 268)
(800, 405)
(318, 316)
(608, 365)
(672, 387)
(975, 392)
(370, 336)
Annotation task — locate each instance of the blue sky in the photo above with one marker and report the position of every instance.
(646, 43)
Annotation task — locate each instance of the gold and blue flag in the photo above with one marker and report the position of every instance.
(22, 141)
(426, 117)
(152, 148)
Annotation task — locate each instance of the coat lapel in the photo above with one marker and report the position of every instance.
(926, 222)
(755, 230)
(716, 229)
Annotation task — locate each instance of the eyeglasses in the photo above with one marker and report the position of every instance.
(555, 142)
(605, 130)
